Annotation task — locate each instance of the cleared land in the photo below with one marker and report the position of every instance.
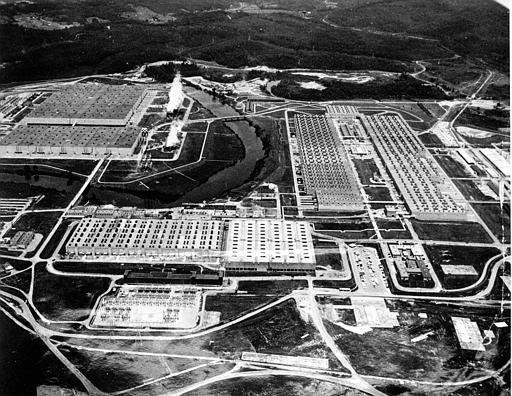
(66, 298)
(449, 231)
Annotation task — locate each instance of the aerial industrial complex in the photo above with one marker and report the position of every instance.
(190, 237)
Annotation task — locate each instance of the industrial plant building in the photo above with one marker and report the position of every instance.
(89, 104)
(82, 121)
(328, 174)
(248, 245)
(427, 190)
(269, 246)
(411, 263)
(162, 238)
(340, 111)
(75, 141)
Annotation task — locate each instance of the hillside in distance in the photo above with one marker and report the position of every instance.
(63, 38)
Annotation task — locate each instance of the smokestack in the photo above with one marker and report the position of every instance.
(175, 94)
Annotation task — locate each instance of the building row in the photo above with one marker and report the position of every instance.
(147, 237)
(341, 111)
(268, 241)
(328, 174)
(70, 140)
(427, 190)
(497, 160)
(248, 245)
(19, 241)
(89, 104)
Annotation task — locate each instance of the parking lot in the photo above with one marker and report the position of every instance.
(368, 270)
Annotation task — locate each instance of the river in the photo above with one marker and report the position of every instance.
(165, 194)
(234, 176)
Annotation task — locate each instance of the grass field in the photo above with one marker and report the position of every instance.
(50, 247)
(231, 306)
(490, 120)
(58, 187)
(366, 169)
(430, 140)
(66, 298)
(20, 281)
(439, 357)
(458, 255)
(497, 220)
(378, 193)
(471, 192)
(277, 288)
(451, 166)
(392, 229)
(450, 231)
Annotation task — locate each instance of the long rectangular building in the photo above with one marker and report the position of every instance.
(89, 104)
(269, 245)
(147, 237)
(327, 171)
(427, 190)
(72, 141)
(497, 160)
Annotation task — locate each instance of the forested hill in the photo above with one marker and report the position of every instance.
(62, 38)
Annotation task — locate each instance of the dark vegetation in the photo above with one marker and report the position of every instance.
(459, 255)
(166, 72)
(39, 166)
(275, 166)
(279, 330)
(404, 87)
(439, 356)
(335, 284)
(106, 41)
(430, 140)
(107, 372)
(454, 74)
(38, 222)
(471, 192)
(278, 288)
(393, 229)
(276, 386)
(20, 353)
(496, 218)
(451, 166)
(52, 244)
(66, 297)
(328, 257)
(231, 306)
(470, 28)
(492, 119)
(378, 193)
(450, 231)
(367, 170)
(21, 280)
(22, 181)
(196, 182)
